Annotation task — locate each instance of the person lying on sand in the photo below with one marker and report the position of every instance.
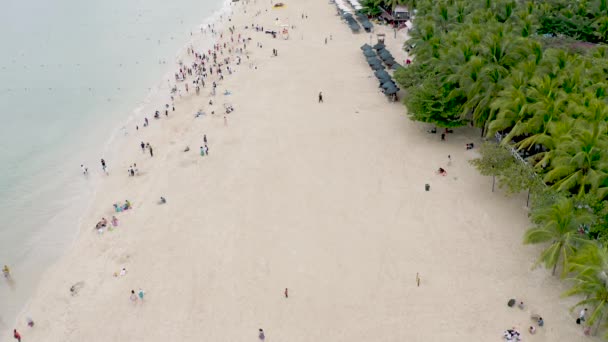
(101, 224)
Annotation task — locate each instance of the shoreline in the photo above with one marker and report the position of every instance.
(111, 146)
(247, 249)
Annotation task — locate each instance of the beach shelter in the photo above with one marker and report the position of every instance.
(379, 46)
(376, 66)
(366, 47)
(369, 53)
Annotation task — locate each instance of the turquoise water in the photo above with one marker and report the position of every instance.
(71, 74)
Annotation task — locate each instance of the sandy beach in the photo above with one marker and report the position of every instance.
(325, 199)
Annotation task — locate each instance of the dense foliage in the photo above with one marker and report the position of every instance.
(494, 64)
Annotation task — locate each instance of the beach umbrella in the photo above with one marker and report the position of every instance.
(369, 53)
(374, 62)
(384, 52)
(366, 24)
(382, 75)
(391, 91)
(387, 60)
(379, 46)
(388, 84)
(366, 47)
(386, 57)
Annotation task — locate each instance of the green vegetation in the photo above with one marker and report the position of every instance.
(526, 71)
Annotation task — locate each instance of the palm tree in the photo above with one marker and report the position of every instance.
(581, 160)
(591, 281)
(558, 224)
(591, 259)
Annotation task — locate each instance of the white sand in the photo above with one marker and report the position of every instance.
(325, 199)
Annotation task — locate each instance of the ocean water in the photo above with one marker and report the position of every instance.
(72, 73)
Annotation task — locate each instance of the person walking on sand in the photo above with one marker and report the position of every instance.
(141, 294)
(225, 121)
(202, 151)
(205, 138)
(6, 271)
(261, 335)
(133, 296)
(320, 97)
(581, 316)
(206, 150)
(143, 147)
(151, 152)
(286, 293)
(103, 166)
(16, 335)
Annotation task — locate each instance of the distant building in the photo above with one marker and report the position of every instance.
(399, 14)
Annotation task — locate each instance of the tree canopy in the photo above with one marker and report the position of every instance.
(531, 72)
